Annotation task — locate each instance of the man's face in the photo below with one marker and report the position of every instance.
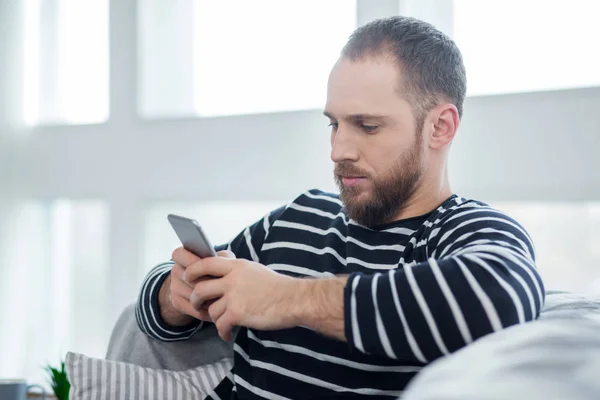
(374, 144)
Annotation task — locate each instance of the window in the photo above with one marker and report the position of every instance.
(436, 12)
(221, 221)
(65, 61)
(522, 46)
(71, 265)
(566, 237)
(199, 57)
(56, 288)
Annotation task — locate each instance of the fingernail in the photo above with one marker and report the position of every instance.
(185, 276)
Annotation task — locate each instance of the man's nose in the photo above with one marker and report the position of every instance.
(343, 146)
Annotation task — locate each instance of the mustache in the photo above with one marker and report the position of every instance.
(345, 168)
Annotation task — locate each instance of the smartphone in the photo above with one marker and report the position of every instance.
(192, 236)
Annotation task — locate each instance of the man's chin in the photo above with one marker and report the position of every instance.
(355, 195)
(355, 200)
(364, 208)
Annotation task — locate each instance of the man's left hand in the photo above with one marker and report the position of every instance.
(243, 293)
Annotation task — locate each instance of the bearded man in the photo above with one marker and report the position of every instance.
(350, 295)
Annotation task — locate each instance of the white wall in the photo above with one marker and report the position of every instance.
(9, 104)
(530, 147)
(534, 146)
(9, 91)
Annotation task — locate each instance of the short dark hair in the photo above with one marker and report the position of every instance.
(431, 62)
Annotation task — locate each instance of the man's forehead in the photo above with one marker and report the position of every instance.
(365, 78)
(368, 86)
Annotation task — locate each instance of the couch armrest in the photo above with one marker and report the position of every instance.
(129, 344)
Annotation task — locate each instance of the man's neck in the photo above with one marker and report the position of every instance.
(426, 198)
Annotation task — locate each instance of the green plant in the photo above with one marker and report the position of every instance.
(59, 381)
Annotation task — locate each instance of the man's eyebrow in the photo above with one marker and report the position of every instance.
(356, 117)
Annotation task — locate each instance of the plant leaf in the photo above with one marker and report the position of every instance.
(59, 381)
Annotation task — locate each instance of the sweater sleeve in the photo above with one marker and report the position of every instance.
(246, 245)
(479, 277)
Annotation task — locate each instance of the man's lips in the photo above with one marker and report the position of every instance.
(352, 180)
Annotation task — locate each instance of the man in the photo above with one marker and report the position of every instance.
(351, 295)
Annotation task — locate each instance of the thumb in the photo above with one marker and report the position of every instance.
(226, 254)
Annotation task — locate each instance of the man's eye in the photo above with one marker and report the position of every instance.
(368, 128)
(334, 126)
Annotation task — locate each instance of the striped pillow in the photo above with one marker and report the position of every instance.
(93, 378)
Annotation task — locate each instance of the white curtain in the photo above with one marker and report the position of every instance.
(54, 284)
(53, 253)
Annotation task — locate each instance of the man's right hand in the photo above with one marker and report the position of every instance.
(174, 295)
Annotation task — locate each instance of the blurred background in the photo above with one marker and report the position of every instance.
(114, 113)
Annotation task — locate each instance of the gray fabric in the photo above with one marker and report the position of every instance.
(554, 358)
(129, 344)
(569, 306)
(95, 379)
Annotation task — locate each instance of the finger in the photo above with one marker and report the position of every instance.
(195, 272)
(204, 315)
(181, 288)
(206, 290)
(212, 266)
(224, 326)
(208, 303)
(177, 276)
(184, 306)
(183, 257)
(203, 311)
(217, 309)
(226, 254)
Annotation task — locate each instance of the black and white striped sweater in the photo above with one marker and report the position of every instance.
(419, 288)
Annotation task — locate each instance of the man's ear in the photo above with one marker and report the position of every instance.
(445, 124)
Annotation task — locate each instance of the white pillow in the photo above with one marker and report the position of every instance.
(554, 359)
(93, 378)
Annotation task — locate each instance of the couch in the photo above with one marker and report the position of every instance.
(556, 357)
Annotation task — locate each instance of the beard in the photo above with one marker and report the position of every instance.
(390, 192)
